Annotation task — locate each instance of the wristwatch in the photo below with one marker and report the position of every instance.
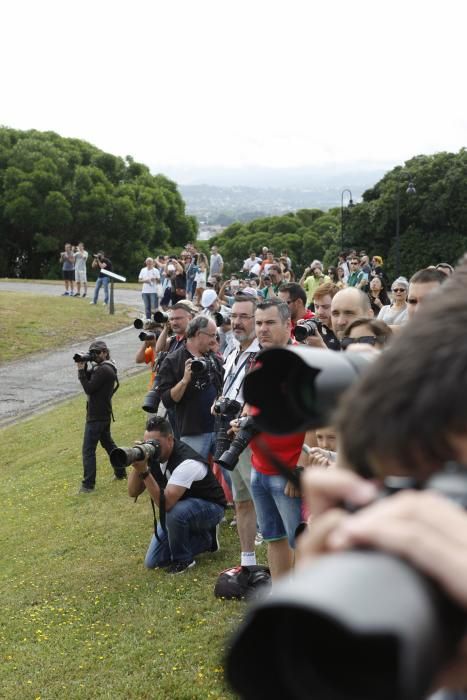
(144, 475)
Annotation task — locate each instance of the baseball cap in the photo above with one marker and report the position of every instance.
(98, 346)
(209, 297)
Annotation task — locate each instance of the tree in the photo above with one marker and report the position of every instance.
(55, 190)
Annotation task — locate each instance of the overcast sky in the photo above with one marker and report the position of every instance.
(275, 83)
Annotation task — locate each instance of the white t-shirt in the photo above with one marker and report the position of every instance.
(187, 471)
(80, 260)
(150, 277)
(248, 263)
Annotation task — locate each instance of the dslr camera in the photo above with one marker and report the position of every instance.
(306, 329)
(85, 356)
(245, 435)
(152, 399)
(225, 410)
(124, 456)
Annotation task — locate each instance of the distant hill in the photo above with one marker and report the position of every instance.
(223, 195)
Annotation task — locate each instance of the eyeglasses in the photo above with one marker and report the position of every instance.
(397, 289)
(240, 317)
(211, 335)
(366, 339)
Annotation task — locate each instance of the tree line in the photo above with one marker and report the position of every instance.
(432, 221)
(55, 190)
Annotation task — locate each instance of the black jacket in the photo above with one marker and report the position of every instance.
(99, 383)
(193, 412)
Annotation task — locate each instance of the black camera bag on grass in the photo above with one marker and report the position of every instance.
(243, 582)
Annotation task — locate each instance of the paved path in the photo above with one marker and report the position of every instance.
(42, 380)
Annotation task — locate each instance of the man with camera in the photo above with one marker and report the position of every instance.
(103, 263)
(237, 363)
(294, 296)
(189, 380)
(99, 383)
(190, 499)
(277, 502)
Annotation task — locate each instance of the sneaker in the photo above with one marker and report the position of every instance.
(104, 303)
(259, 539)
(215, 546)
(76, 294)
(83, 295)
(92, 302)
(233, 522)
(178, 567)
(85, 489)
(115, 477)
(66, 294)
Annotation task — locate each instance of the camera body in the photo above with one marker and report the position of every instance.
(307, 329)
(124, 456)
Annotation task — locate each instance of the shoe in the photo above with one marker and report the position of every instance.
(259, 539)
(164, 564)
(215, 546)
(233, 522)
(66, 294)
(83, 295)
(178, 567)
(92, 302)
(76, 294)
(119, 478)
(104, 303)
(85, 489)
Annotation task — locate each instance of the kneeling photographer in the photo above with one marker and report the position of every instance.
(190, 500)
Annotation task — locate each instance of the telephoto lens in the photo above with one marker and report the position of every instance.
(199, 365)
(304, 330)
(82, 357)
(124, 456)
(146, 336)
(138, 323)
(161, 317)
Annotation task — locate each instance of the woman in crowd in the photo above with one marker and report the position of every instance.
(365, 331)
(378, 295)
(201, 277)
(336, 275)
(395, 313)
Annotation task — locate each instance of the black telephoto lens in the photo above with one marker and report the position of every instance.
(161, 317)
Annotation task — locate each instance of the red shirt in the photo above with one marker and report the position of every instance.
(308, 314)
(287, 448)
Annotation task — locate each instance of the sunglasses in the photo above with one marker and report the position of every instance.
(367, 339)
(398, 289)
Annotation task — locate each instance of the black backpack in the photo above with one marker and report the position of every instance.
(243, 582)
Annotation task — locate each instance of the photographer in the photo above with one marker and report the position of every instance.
(294, 296)
(423, 528)
(192, 393)
(193, 502)
(99, 383)
(237, 364)
(103, 263)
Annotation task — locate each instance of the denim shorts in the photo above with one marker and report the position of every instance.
(278, 515)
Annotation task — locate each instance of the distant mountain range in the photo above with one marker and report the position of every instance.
(224, 195)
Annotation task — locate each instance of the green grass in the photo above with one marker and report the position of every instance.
(80, 616)
(31, 323)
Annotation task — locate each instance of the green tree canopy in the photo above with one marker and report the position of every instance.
(55, 190)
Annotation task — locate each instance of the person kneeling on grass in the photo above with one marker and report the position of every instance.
(191, 501)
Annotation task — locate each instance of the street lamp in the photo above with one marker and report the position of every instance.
(349, 205)
(410, 190)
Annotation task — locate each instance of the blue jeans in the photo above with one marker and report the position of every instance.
(278, 515)
(102, 282)
(189, 525)
(94, 432)
(150, 303)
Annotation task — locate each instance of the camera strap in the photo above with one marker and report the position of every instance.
(249, 359)
(161, 514)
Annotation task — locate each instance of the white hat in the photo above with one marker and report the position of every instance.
(209, 297)
(248, 291)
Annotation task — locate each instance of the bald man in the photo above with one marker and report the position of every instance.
(347, 305)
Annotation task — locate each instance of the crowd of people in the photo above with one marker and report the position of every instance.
(201, 348)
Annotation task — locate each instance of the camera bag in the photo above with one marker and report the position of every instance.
(245, 582)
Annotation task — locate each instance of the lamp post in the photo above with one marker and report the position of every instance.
(410, 190)
(349, 205)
